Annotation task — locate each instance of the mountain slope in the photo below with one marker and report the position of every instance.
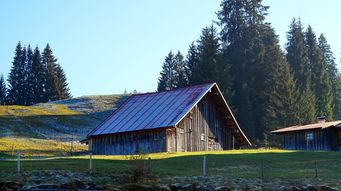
(61, 121)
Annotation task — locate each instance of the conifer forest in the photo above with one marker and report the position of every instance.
(34, 78)
(268, 87)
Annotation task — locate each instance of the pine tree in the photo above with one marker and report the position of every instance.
(16, 79)
(297, 54)
(3, 90)
(321, 85)
(29, 84)
(192, 60)
(333, 74)
(62, 85)
(242, 22)
(181, 79)
(167, 79)
(275, 94)
(50, 62)
(297, 57)
(209, 64)
(38, 76)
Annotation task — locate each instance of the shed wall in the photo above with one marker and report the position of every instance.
(203, 129)
(129, 143)
(322, 140)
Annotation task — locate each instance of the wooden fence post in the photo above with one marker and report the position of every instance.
(262, 168)
(204, 166)
(18, 162)
(90, 162)
(315, 169)
(149, 165)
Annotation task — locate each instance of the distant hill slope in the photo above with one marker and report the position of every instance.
(63, 120)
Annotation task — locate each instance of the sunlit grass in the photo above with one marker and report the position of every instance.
(181, 154)
(37, 147)
(24, 111)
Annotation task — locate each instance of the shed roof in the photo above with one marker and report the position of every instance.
(321, 125)
(157, 110)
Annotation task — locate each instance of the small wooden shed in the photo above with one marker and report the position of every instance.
(318, 136)
(195, 118)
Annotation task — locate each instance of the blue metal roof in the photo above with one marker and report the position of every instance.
(152, 110)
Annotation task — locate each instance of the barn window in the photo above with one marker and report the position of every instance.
(156, 137)
(202, 137)
(309, 136)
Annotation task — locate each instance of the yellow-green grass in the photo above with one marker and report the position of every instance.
(182, 154)
(24, 111)
(241, 163)
(37, 147)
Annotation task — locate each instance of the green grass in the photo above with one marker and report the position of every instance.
(36, 147)
(248, 164)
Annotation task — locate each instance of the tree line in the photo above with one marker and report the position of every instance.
(34, 78)
(267, 87)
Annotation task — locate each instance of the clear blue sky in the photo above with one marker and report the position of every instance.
(108, 46)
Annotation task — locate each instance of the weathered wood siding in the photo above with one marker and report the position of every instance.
(203, 129)
(129, 143)
(322, 140)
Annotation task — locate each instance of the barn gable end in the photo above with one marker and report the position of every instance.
(195, 118)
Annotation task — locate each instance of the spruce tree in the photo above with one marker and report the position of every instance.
(167, 79)
(320, 82)
(209, 65)
(181, 79)
(191, 63)
(241, 22)
(62, 85)
(3, 90)
(16, 79)
(297, 57)
(275, 94)
(333, 74)
(30, 80)
(50, 62)
(39, 78)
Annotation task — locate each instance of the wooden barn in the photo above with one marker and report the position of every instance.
(195, 118)
(318, 136)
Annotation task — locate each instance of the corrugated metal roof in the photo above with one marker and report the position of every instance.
(322, 125)
(152, 110)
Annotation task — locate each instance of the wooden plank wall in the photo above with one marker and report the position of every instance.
(129, 143)
(203, 129)
(297, 140)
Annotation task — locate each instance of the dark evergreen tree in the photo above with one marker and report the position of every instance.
(320, 82)
(181, 79)
(50, 62)
(16, 79)
(62, 85)
(242, 22)
(173, 72)
(3, 90)
(192, 60)
(297, 56)
(30, 81)
(333, 74)
(167, 79)
(275, 95)
(209, 65)
(38, 75)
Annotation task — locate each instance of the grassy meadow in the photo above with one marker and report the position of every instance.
(37, 147)
(238, 163)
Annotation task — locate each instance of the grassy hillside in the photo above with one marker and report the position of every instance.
(54, 125)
